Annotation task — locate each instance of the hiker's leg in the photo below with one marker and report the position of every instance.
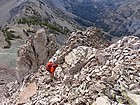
(52, 76)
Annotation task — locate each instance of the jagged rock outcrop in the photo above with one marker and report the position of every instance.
(88, 76)
(37, 50)
(92, 37)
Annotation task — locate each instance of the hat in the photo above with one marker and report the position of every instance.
(53, 60)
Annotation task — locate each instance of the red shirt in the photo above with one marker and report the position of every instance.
(50, 67)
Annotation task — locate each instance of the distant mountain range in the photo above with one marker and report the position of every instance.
(115, 17)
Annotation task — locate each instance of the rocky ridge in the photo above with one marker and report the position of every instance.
(91, 37)
(86, 76)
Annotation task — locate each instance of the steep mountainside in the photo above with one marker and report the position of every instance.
(12, 11)
(5, 7)
(117, 17)
(39, 48)
(85, 76)
(20, 19)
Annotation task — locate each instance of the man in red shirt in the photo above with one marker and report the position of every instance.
(50, 67)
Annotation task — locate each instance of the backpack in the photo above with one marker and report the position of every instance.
(48, 66)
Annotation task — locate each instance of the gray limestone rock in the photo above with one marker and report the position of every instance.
(82, 78)
(37, 50)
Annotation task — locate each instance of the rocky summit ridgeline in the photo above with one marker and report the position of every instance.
(87, 75)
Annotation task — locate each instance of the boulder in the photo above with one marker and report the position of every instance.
(102, 101)
(27, 93)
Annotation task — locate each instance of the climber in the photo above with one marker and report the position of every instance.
(50, 67)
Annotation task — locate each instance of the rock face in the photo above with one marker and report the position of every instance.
(92, 37)
(36, 51)
(88, 76)
(27, 93)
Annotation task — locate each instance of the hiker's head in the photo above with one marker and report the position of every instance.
(52, 61)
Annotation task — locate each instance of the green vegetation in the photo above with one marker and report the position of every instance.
(31, 31)
(56, 27)
(37, 21)
(30, 21)
(9, 35)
